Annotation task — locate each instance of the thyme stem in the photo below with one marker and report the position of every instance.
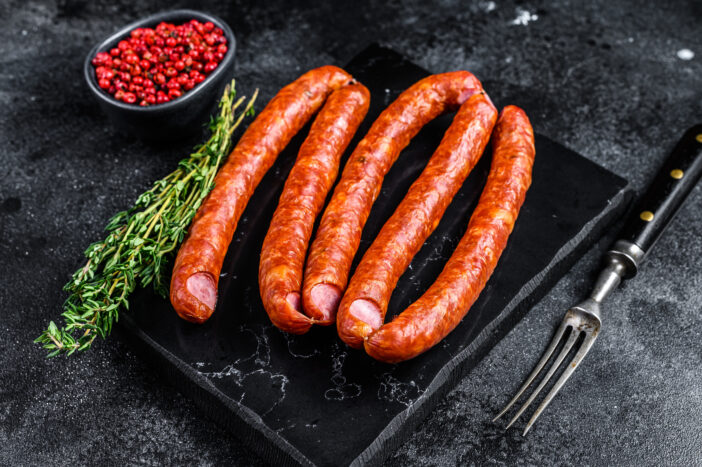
(141, 240)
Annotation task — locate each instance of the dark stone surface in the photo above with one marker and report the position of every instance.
(604, 78)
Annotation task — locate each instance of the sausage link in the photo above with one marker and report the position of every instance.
(436, 313)
(339, 233)
(363, 307)
(306, 188)
(199, 261)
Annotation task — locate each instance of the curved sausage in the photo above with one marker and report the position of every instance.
(339, 233)
(306, 188)
(362, 309)
(199, 261)
(436, 313)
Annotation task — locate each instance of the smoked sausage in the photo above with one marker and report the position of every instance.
(306, 188)
(339, 233)
(439, 310)
(199, 261)
(362, 309)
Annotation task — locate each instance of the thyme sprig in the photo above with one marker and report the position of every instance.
(142, 239)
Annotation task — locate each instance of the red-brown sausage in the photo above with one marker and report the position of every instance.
(362, 309)
(436, 313)
(309, 181)
(339, 233)
(199, 261)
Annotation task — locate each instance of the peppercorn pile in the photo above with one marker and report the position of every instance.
(154, 66)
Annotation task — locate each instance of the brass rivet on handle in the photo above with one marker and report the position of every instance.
(676, 174)
(699, 138)
(646, 216)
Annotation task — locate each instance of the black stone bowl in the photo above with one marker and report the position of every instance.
(176, 119)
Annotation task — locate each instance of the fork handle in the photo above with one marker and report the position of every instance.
(676, 178)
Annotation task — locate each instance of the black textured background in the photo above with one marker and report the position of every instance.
(608, 82)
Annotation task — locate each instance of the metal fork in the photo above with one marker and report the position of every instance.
(582, 323)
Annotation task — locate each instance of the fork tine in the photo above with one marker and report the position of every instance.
(547, 354)
(574, 334)
(584, 348)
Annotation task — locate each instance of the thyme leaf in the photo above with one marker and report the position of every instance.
(141, 240)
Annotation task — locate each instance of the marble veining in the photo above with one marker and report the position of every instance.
(393, 390)
(342, 389)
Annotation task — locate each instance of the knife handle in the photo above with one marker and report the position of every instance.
(656, 208)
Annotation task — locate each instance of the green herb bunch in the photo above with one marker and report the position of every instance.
(142, 239)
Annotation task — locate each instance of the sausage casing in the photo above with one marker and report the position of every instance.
(439, 310)
(199, 261)
(306, 188)
(339, 233)
(362, 309)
